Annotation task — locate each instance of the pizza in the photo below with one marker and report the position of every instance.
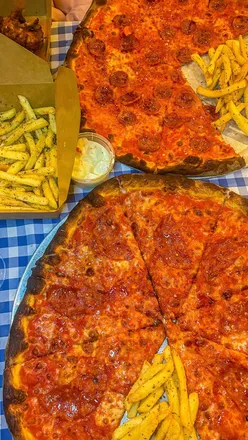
(127, 60)
(123, 272)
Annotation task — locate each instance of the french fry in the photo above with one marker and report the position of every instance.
(243, 72)
(8, 114)
(49, 195)
(146, 428)
(211, 52)
(127, 427)
(236, 49)
(26, 107)
(138, 382)
(246, 100)
(167, 353)
(14, 155)
(220, 103)
(193, 406)
(4, 200)
(40, 163)
(54, 188)
(163, 429)
(173, 398)
(19, 118)
(31, 143)
(183, 398)
(16, 167)
(5, 208)
(30, 181)
(240, 120)
(24, 196)
(43, 171)
(152, 384)
(242, 48)
(133, 410)
(150, 400)
(49, 138)
(215, 57)
(35, 125)
(41, 111)
(34, 156)
(215, 79)
(222, 92)
(37, 191)
(227, 67)
(173, 431)
(16, 147)
(200, 61)
(14, 136)
(52, 123)
(227, 117)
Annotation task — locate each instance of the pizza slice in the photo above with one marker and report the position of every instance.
(172, 219)
(219, 376)
(94, 287)
(223, 272)
(82, 390)
(223, 321)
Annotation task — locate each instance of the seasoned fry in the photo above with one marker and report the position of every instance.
(34, 156)
(136, 385)
(133, 410)
(26, 107)
(152, 384)
(211, 52)
(25, 196)
(9, 114)
(127, 427)
(41, 111)
(173, 398)
(19, 118)
(227, 67)
(236, 49)
(14, 155)
(40, 163)
(16, 167)
(222, 92)
(30, 181)
(173, 431)
(54, 188)
(227, 117)
(183, 398)
(242, 48)
(150, 400)
(31, 143)
(49, 138)
(163, 429)
(4, 200)
(35, 125)
(49, 195)
(246, 100)
(52, 122)
(193, 406)
(240, 120)
(215, 57)
(158, 359)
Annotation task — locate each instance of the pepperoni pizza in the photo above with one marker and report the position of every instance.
(136, 255)
(127, 59)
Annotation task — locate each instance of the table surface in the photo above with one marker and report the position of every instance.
(20, 238)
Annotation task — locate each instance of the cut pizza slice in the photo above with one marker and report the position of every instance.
(95, 287)
(172, 219)
(219, 376)
(79, 385)
(223, 272)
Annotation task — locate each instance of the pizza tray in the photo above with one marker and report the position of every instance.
(38, 254)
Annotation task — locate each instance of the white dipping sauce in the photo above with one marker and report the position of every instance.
(92, 160)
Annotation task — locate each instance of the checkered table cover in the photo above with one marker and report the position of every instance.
(20, 238)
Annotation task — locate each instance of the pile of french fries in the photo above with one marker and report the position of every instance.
(28, 159)
(226, 78)
(149, 417)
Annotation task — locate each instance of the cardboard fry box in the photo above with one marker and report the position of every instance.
(41, 9)
(23, 73)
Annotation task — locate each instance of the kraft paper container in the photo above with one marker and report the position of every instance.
(22, 73)
(32, 9)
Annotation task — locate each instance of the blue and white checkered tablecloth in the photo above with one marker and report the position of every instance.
(20, 238)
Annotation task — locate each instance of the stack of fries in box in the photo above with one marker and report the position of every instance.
(226, 78)
(28, 159)
(158, 419)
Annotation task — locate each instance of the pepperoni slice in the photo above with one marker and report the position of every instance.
(96, 47)
(129, 43)
(210, 111)
(240, 23)
(173, 120)
(118, 79)
(149, 143)
(217, 5)
(183, 55)
(200, 144)
(202, 37)
(121, 20)
(104, 95)
(162, 91)
(185, 99)
(167, 32)
(188, 27)
(127, 118)
(171, 245)
(130, 98)
(151, 106)
(153, 58)
(177, 76)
